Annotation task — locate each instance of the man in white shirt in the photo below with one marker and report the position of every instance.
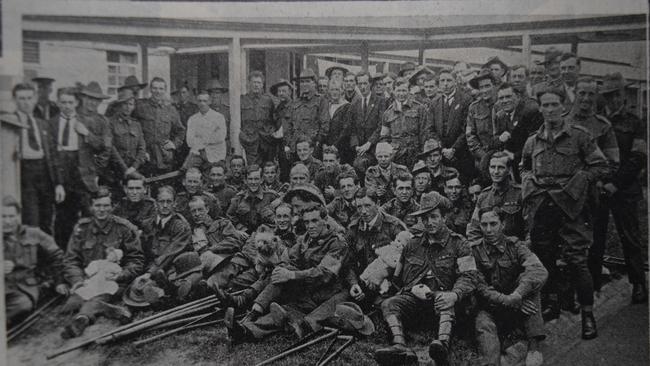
(206, 134)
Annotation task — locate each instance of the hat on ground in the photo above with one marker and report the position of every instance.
(429, 146)
(43, 80)
(212, 262)
(484, 74)
(420, 71)
(329, 70)
(406, 67)
(495, 60)
(142, 292)
(613, 82)
(214, 84)
(281, 82)
(308, 191)
(349, 317)
(430, 201)
(186, 264)
(93, 90)
(307, 74)
(132, 81)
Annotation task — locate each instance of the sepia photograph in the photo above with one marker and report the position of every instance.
(439, 183)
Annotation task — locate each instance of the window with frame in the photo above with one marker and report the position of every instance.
(120, 66)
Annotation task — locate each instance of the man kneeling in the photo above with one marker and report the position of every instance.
(508, 289)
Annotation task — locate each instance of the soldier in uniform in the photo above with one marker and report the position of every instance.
(283, 91)
(131, 88)
(553, 78)
(404, 124)
(217, 235)
(129, 152)
(304, 290)
(308, 115)
(136, 206)
(90, 240)
(193, 184)
(45, 109)
(163, 131)
(305, 152)
(27, 252)
(257, 122)
(461, 208)
(217, 185)
(342, 207)
(436, 271)
(622, 193)
(325, 178)
(503, 194)
(558, 164)
(510, 279)
(403, 205)
(432, 157)
(379, 178)
(271, 180)
(370, 229)
(480, 118)
(251, 207)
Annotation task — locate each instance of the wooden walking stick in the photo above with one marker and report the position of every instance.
(32, 318)
(176, 330)
(350, 340)
(330, 334)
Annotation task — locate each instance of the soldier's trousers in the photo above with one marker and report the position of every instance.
(625, 209)
(488, 324)
(410, 310)
(313, 307)
(555, 235)
(18, 304)
(92, 308)
(37, 194)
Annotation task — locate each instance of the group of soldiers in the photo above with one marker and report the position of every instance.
(427, 195)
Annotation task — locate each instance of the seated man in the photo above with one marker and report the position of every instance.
(251, 207)
(271, 178)
(504, 194)
(325, 178)
(136, 206)
(302, 196)
(299, 175)
(342, 208)
(508, 289)
(461, 210)
(165, 235)
(237, 176)
(90, 239)
(421, 180)
(305, 153)
(435, 272)
(217, 185)
(379, 178)
(301, 290)
(403, 204)
(27, 251)
(432, 157)
(216, 235)
(193, 184)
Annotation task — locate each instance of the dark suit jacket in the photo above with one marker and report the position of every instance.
(526, 120)
(452, 131)
(48, 142)
(366, 128)
(340, 127)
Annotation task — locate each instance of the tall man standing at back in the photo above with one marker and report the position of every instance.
(364, 116)
(45, 109)
(257, 123)
(162, 128)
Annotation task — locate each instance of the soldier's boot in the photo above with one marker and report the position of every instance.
(639, 293)
(551, 310)
(397, 353)
(284, 319)
(76, 327)
(239, 302)
(119, 313)
(589, 330)
(439, 348)
(236, 332)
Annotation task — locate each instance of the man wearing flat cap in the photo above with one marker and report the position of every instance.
(45, 109)
(435, 272)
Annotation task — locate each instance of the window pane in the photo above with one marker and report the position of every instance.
(112, 69)
(112, 56)
(129, 58)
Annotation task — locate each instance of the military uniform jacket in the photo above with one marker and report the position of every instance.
(375, 179)
(507, 199)
(223, 237)
(307, 116)
(257, 118)
(408, 127)
(443, 265)
(249, 210)
(630, 136)
(223, 193)
(604, 137)
(447, 121)
(182, 204)
(342, 210)
(364, 239)
(31, 250)
(564, 167)
(236, 182)
(160, 123)
(163, 243)
(129, 149)
(524, 120)
(365, 127)
(136, 212)
(89, 242)
(51, 110)
(324, 179)
(505, 267)
(402, 211)
(480, 130)
(459, 215)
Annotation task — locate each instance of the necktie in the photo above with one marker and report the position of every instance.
(31, 135)
(65, 139)
(365, 106)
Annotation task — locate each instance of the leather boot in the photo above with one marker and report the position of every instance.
(236, 332)
(551, 310)
(397, 353)
(639, 294)
(589, 330)
(439, 348)
(119, 313)
(285, 319)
